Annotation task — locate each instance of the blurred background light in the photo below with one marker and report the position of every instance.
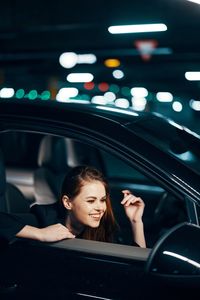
(192, 76)
(164, 97)
(89, 85)
(195, 104)
(68, 60)
(32, 95)
(66, 93)
(118, 74)
(114, 88)
(103, 86)
(122, 102)
(112, 62)
(7, 92)
(45, 95)
(177, 106)
(110, 97)
(195, 1)
(139, 103)
(86, 58)
(99, 100)
(139, 92)
(80, 77)
(137, 28)
(20, 93)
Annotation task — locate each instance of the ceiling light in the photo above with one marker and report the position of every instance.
(195, 1)
(177, 106)
(139, 92)
(99, 100)
(68, 60)
(112, 62)
(195, 104)
(122, 102)
(118, 74)
(86, 58)
(192, 76)
(110, 96)
(80, 77)
(164, 97)
(137, 28)
(7, 93)
(139, 103)
(65, 93)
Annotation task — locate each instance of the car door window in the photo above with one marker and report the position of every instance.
(162, 209)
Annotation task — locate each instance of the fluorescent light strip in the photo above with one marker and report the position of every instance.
(192, 76)
(137, 28)
(195, 1)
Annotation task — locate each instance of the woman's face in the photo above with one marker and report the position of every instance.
(90, 205)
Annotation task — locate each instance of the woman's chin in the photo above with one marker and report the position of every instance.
(94, 224)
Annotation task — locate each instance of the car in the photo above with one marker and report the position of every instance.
(147, 153)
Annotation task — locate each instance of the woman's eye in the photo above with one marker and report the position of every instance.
(103, 200)
(90, 201)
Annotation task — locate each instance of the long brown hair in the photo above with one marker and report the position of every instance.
(71, 187)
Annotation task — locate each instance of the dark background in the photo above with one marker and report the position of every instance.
(33, 34)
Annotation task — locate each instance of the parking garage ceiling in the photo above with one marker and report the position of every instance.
(33, 34)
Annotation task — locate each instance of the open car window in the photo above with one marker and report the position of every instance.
(30, 175)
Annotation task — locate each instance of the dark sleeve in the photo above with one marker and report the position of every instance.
(46, 214)
(11, 224)
(121, 237)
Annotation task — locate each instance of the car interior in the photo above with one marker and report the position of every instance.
(35, 165)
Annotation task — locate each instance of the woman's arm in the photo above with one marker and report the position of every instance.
(26, 226)
(52, 233)
(134, 208)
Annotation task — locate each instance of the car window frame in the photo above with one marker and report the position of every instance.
(88, 139)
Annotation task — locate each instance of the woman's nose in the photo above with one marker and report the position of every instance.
(99, 206)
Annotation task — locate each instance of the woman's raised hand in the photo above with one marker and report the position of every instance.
(133, 206)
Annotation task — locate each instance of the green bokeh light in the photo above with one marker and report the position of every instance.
(32, 95)
(125, 91)
(46, 95)
(20, 94)
(114, 88)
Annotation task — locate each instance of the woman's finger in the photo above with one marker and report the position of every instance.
(126, 198)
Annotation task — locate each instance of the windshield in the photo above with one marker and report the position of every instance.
(177, 140)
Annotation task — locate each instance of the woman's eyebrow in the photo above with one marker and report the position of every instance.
(93, 197)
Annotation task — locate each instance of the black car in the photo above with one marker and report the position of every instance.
(148, 154)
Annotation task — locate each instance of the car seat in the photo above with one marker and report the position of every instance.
(11, 199)
(52, 167)
(56, 156)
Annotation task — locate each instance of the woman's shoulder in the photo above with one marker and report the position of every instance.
(47, 214)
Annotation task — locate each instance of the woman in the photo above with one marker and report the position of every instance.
(84, 211)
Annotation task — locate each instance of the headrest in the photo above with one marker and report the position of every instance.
(53, 154)
(2, 183)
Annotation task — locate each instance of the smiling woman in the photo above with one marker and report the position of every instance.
(84, 211)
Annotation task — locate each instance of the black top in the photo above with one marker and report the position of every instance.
(40, 216)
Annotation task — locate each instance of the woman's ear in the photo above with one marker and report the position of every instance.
(66, 202)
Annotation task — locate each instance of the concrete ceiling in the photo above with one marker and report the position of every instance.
(34, 33)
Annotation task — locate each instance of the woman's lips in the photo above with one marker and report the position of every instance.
(96, 216)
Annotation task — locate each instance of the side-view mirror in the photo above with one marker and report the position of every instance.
(175, 258)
